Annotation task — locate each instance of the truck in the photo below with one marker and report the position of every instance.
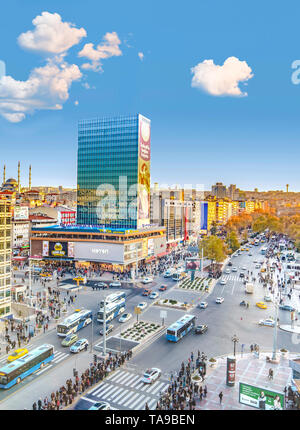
(249, 288)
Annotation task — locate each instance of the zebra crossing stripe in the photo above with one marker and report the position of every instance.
(115, 392)
(113, 375)
(126, 397)
(60, 358)
(130, 400)
(142, 404)
(158, 388)
(123, 392)
(138, 401)
(104, 389)
(135, 380)
(96, 389)
(152, 404)
(139, 386)
(153, 386)
(117, 376)
(43, 370)
(102, 386)
(127, 377)
(107, 393)
(130, 380)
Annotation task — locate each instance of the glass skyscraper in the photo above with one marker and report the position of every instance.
(113, 177)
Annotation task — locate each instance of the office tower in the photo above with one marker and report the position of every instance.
(113, 176)
(219, 190)
(5, 258)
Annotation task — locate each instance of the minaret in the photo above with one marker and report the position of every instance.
(4, 168)
(19, 185)
(287, 188)
(30, 177)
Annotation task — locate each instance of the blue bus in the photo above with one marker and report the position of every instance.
(74, 322)
(13, 373)
(115, 305)
(180, 328)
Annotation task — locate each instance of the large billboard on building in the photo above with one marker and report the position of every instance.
(260, 398)
(102, 252)
(58, 249)
(143, 198)
(203, 215)
(45, 248)
(192, 264)
(20, 213)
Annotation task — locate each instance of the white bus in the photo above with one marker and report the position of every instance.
(113, 308)
(74, 322)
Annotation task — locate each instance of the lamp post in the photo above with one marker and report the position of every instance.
(235, 340)
(275, 329)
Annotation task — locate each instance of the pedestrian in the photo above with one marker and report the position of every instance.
(221, 397)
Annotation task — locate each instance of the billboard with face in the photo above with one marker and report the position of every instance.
(192, 264)
(143, 200)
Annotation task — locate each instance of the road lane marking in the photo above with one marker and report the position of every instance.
(130, 400)
(142, 404)
(43, 370)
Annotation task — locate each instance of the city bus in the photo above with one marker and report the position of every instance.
(13, 373)
(180, 328)
(113, 308)
(74, 322)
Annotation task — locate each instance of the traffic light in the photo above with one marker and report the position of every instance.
(95, 358)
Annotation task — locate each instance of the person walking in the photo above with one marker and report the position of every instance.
(221, 397)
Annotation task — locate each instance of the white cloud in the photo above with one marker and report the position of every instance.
(108, 48)
(46, 88)
(221, 80)
(141, 56)
(76, 103)
(51, 34)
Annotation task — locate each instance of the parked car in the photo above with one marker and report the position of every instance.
(17, 354)
(147, 280)
(100, 406)
(142, 305)
(219, 300)
(151, 375)
(80, 345)
(69, 340)
(154, 295)
(109, 329)
(200, 329)
(115, 284)
(125, 317)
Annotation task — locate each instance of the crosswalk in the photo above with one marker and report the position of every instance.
(232, 278)
(125, 390)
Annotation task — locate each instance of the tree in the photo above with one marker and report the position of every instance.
(232, 241)
(213, 248)
(213, 228)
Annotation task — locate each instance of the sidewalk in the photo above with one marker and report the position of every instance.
(249, 370)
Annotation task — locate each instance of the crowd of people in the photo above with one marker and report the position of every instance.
(75, 387)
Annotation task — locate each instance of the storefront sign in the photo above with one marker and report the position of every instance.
(102, 252)
(58, 249)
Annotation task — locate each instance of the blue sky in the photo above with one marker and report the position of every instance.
(198, 137)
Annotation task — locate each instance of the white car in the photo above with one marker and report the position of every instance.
(268, 322)
(223, 282)
(234, 255)
(151, 375)
(147, 280)
(227, 271)
(115, 284)
(203, 305)
(154, 295)
(219, 300)
(125, 317)
(257, 266)
(234, 269)
(244, 268)
(142, 305)
(78, 346)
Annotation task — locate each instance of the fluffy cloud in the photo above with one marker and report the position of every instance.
(141, 55)
(221, 80)
(108, 48)
(46, 88)
(51, 34)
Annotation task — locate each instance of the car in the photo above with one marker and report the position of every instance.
(250, 254)
(154, 295)
(17, 354)
(219, 300)
(147, 280)
(227, 271)
(69, 340)
(268, 322)
(115, 284)
(235, 255)
(267, 298)
(163, 288)
(151, 375)
(229, 264)
(242, 275)
(80, 345)
(125, 317)
(247, 249)
(234, 269)
(223, 282)
(244, 268)
(242, 249)
(261, 305)
(257, 266)
(200, 329)
(142, 305)
(109, 329)
(146, 292)
(203, 305)
(287, 308)
(263, 269)
(101, 285)
(100, 406)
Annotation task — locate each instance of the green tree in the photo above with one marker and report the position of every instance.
(213, 228)
(213, 248)
(232, 241)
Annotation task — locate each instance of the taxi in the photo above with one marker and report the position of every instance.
(261, 305)
(45, 275)
(17, 354)
(247, 249)
(78, 278)
(263, 269)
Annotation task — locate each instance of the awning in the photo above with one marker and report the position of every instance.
(150, 259)
(297, 384)
(162, 254)
(19, 258)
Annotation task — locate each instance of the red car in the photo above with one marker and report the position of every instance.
(147, 292)
(163, 288)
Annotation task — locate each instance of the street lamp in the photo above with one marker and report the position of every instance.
(275, 329)
(235, 340)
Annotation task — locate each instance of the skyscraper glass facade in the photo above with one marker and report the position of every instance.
(108, 171)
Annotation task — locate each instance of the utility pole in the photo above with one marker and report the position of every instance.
(91, 349)
(275, 330)
(104, 326)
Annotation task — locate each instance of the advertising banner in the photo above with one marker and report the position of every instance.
(71, 249)
(260, 398)
(45, 248)
(150, 247)
(230, 374)
(192, 264)
(58, 249)
(102, 252)
(143, 198)
(20, 213)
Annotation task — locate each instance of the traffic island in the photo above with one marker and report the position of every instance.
(173, 304)
(198, 284)
(140, 331)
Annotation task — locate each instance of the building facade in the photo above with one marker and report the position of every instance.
(113, 176)
(5, 258)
